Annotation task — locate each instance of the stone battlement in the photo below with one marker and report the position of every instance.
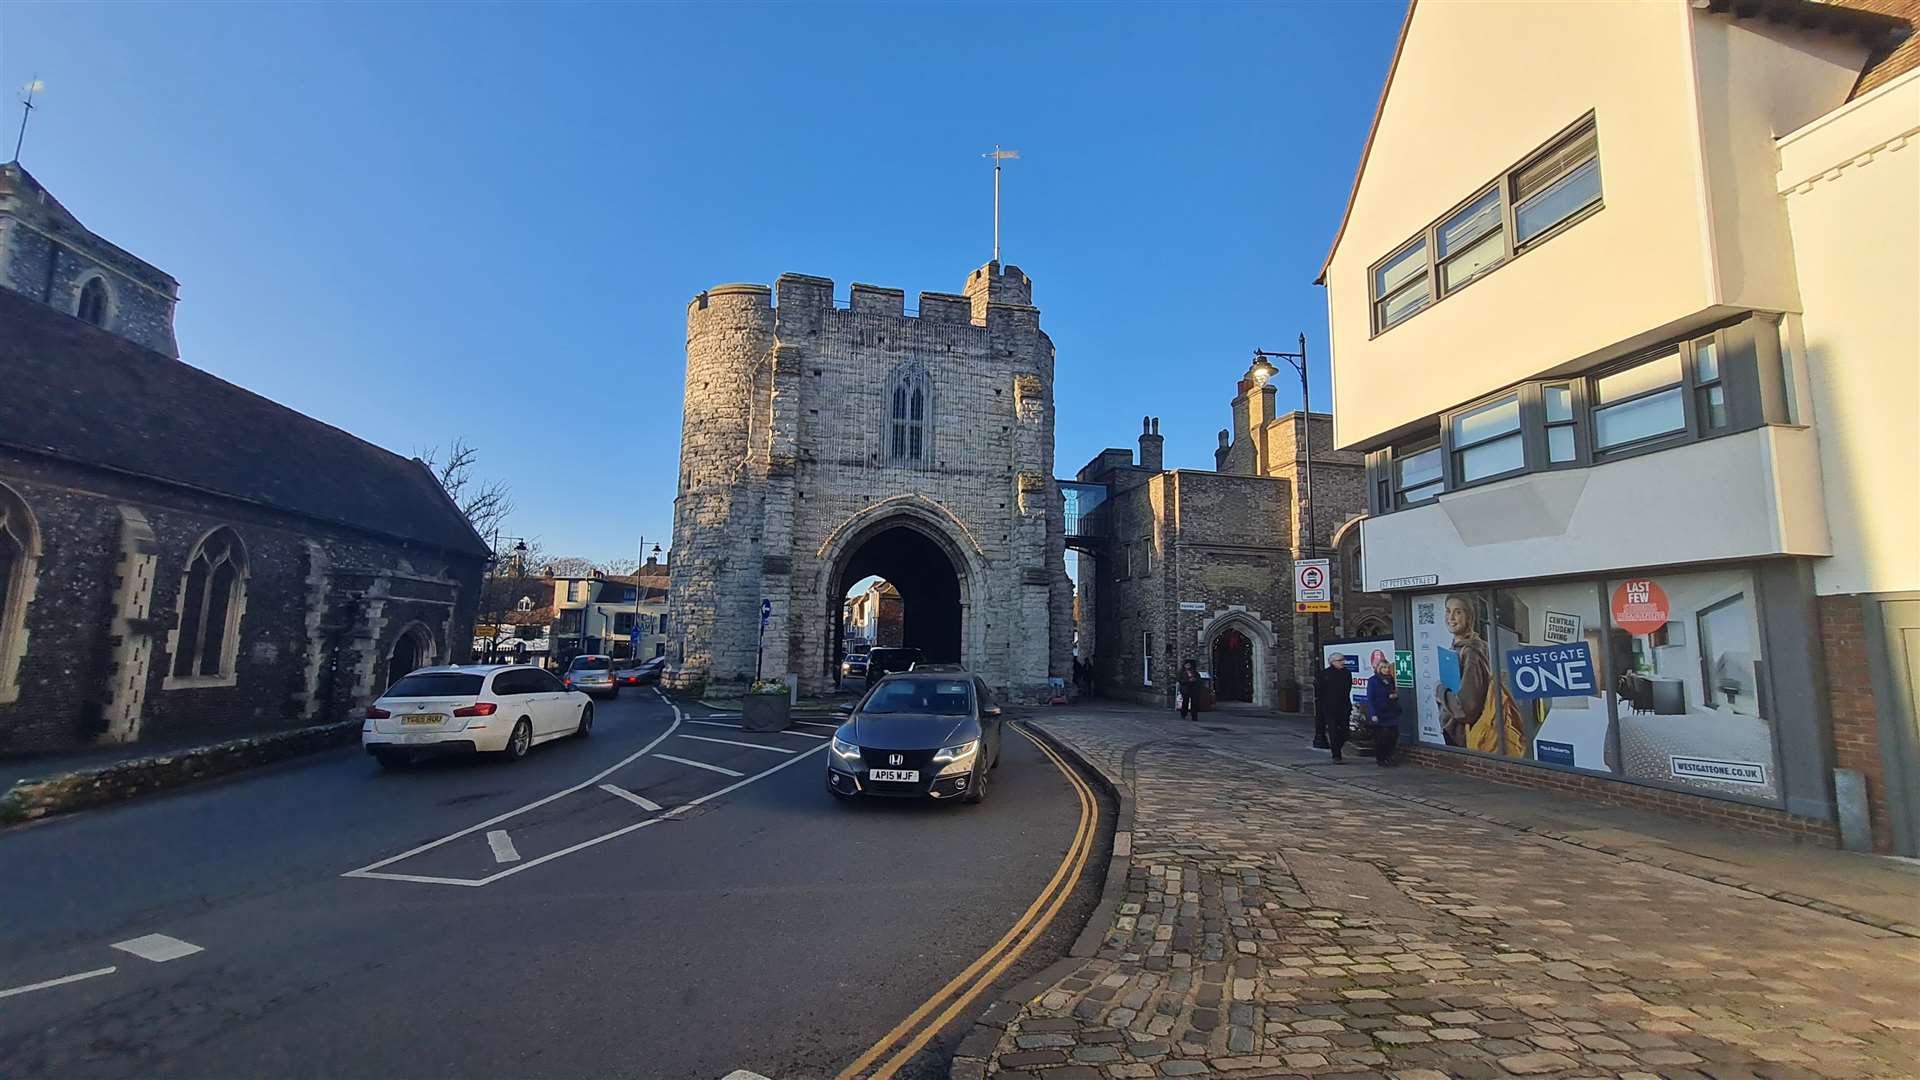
(991, 287)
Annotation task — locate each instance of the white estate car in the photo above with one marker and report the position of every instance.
(505, 709)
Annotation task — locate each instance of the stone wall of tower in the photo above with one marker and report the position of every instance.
(780, 479)
(717, 512)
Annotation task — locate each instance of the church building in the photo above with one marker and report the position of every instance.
(179, 556)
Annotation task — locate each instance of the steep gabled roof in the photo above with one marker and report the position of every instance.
(79, 394)
(1887, 24)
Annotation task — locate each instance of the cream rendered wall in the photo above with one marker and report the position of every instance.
(1478, 86)
(1851, 181)
(1758, 81)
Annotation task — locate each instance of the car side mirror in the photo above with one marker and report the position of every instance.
(843, 710)
(991, 710)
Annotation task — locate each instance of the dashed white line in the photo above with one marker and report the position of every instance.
(61, 981)
(638, 800)
(158, 948)
(698, 765)
(367, 870)
(730, 742)
(502, 845)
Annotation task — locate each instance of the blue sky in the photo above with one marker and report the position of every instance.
(418, 222)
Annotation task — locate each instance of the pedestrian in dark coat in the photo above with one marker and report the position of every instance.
(1383, 709)
(1190, 691)
(1333, 701)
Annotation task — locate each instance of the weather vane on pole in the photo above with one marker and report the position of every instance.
(26, 112)
(998, 155)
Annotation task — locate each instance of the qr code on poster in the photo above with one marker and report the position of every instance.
(1425, 617)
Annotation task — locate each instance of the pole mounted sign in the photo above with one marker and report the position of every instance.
(1312, 586)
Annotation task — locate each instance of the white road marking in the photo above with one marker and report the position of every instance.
(637, 800)
(711, 723)
(61, 981)
(698, 764)
(806, 734)
(158, 948)
(742, 1074)
(675, 812)
(730, 742)
(367, 870)
(502, 845)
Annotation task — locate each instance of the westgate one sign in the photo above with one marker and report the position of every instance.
(1551, 671)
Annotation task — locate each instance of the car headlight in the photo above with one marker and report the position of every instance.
(845, 749)
(957, 753)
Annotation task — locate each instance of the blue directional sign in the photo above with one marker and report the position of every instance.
(766, 613)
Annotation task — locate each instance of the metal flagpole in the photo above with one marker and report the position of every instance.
(998, 155)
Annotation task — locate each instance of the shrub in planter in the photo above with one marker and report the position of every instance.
(766, 706)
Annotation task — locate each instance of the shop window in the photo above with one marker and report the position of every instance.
(1640, 403)
(1550, 643)
(1689, 676)
(213, 595)
(1487, 441)
(1458, 702)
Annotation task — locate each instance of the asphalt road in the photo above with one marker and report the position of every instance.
(765, 928)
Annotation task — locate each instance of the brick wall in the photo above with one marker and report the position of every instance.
(1856, 728)
(1720, 812)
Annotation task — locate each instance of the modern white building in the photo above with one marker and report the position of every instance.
(1623, 314)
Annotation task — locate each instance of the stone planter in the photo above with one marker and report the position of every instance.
(765, 712)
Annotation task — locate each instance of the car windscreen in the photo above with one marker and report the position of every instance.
(940, 697)
(590, 663)
(437, 684)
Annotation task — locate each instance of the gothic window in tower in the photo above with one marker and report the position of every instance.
(911, 409)
(93, 302)
(19, 555)
(213, 594)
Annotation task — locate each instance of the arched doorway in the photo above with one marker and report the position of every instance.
(1232, 666)
(920, 569)
(412, 649)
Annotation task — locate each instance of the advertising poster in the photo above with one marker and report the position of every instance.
(1361, 656)
(1551, 643)
(1690, 678)
(1453, 674)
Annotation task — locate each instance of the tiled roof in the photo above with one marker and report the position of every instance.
(1894, 59)
(78, 393)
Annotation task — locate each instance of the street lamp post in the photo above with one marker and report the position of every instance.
(1299, 361)
(519, 559)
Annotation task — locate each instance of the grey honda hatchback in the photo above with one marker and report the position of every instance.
(918, 736)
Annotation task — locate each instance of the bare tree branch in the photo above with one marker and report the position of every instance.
(486, 503)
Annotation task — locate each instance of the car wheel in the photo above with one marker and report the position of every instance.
(586, 721)
(391, 761)
(977, 788)
(519, 742)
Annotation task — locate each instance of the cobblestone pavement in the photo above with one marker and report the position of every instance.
(1279, 924)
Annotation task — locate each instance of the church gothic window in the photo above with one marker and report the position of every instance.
(19, 552)
(910, 409)
(93, 302)
(213, 594)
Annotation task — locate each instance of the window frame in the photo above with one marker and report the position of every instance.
(16, 591)
(1701, 386)
(1451, 471)
(1399, 501)
(105, 294)
(1683, 353)
(907, 439)
(226, 670)
(1575, 422)
(1511, 247)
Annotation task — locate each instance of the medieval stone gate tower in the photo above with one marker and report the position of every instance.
(823, 444)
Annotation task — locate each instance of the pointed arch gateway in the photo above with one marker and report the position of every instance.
(1239, 646)
(924, 552)
(19, 561)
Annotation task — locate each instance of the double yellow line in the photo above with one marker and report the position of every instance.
(917, 1030)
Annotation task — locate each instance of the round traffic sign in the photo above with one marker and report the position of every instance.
(1312, 577)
